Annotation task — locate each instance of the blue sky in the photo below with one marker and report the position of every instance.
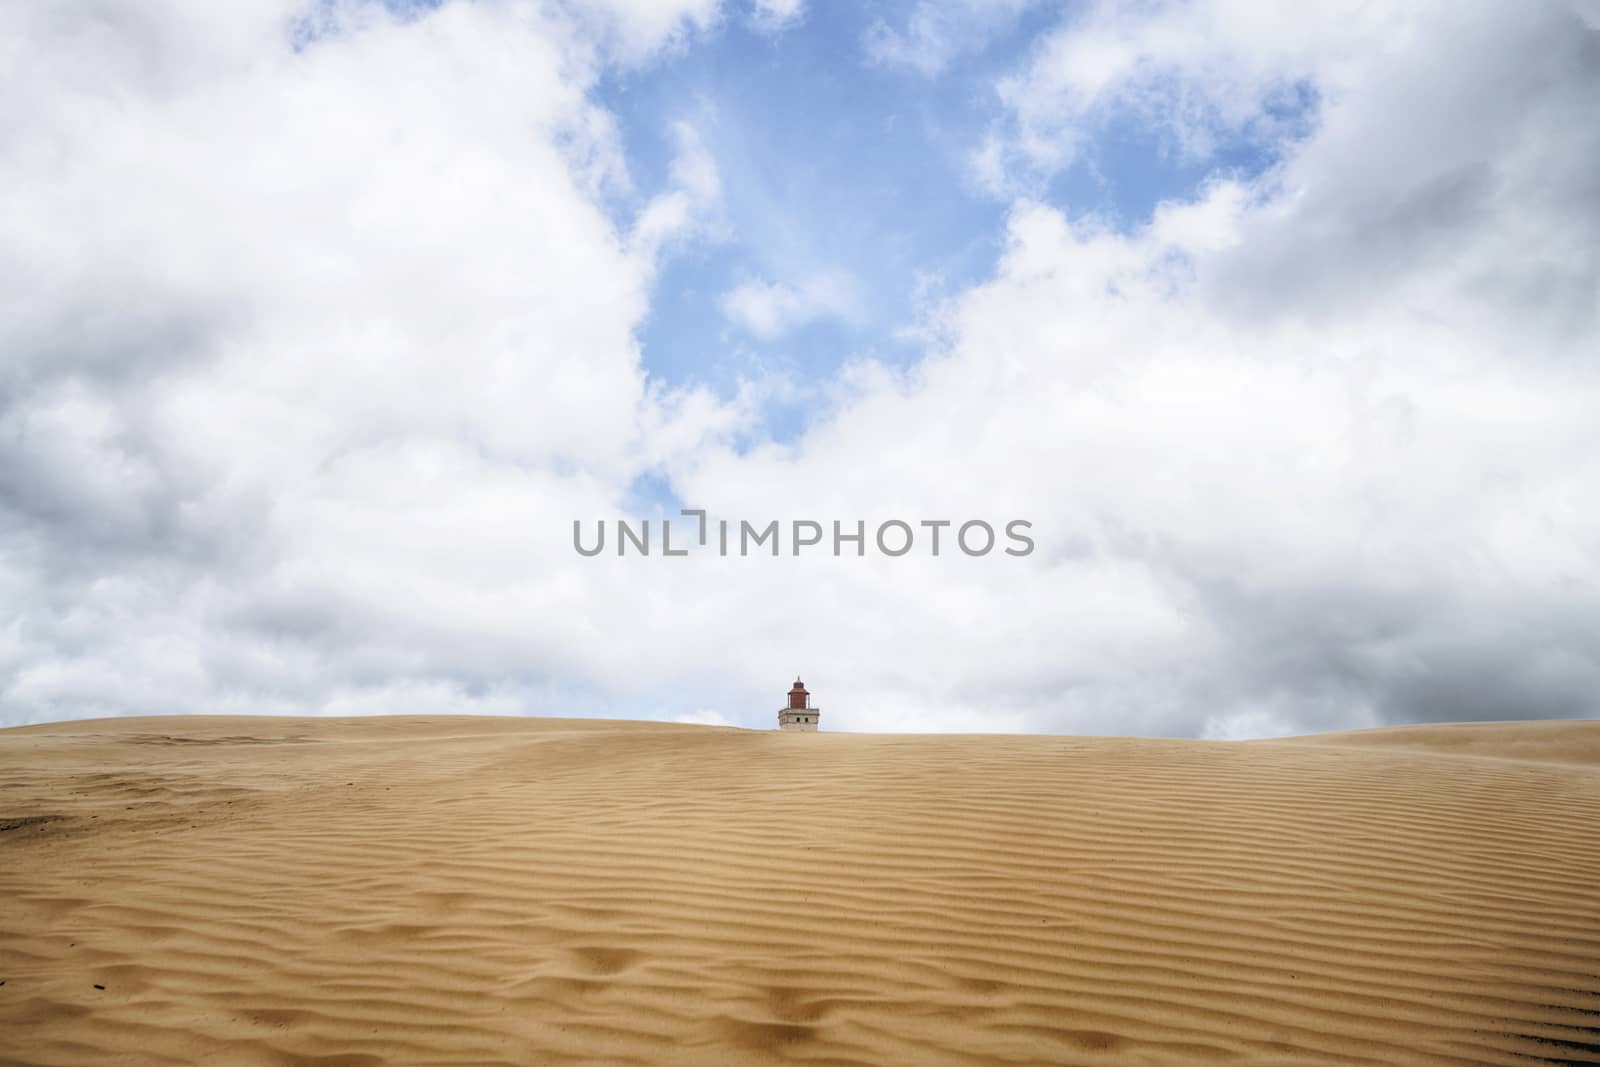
(329, 317)
(835, 162)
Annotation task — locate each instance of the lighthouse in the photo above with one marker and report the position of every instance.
(799, 715)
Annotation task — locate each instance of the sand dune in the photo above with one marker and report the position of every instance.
(488, 891)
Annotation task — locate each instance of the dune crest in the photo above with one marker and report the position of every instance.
(515, 891)
(1557, 741)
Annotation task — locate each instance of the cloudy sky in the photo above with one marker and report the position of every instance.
(321, 321)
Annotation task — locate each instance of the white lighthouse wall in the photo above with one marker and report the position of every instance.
(799, 720)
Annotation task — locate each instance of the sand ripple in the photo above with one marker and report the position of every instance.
(485, 891)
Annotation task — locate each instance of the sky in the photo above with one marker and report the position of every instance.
(322, 323)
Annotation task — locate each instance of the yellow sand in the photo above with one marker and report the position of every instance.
(523, 891)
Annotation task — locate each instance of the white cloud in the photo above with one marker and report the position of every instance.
(1312, 452)
(1199, 71)
(775, 16)
(690, 207)
(311, 357)
(771, 309)
(935, 32)
(317, 344)
(635, 31)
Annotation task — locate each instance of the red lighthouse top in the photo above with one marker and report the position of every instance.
(798, 697)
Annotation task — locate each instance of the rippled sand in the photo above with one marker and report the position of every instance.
(526, 891)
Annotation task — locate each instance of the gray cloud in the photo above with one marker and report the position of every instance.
(1461, 165)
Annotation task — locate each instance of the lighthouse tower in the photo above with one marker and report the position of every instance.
(799, 715)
